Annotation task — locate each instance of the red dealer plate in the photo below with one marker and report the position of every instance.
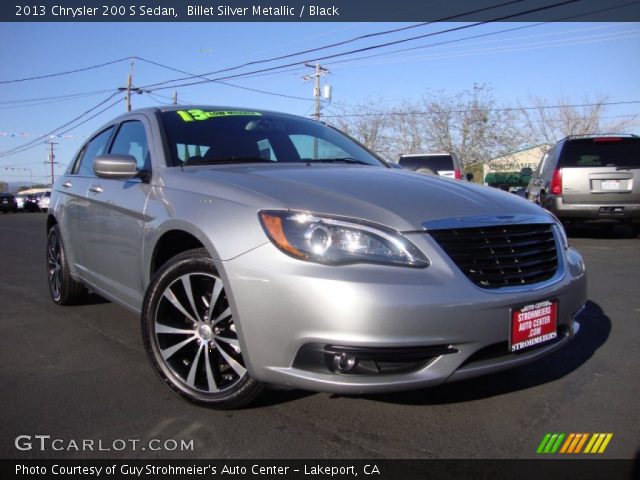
(533, 324)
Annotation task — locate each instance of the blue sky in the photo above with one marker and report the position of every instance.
(572, 60)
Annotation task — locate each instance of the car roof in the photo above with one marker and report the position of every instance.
(426, 154)
(599, 135)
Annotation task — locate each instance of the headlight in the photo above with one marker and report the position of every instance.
(338, 241)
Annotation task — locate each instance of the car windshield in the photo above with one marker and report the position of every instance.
(434, 162)
(222, 136)
(601, 152)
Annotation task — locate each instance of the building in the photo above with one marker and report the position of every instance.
(506, 170)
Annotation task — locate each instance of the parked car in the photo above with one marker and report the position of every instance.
(444, 164)
(43, 201)
(20, 201)
(30, 203)
(8, 203)
(590, 178)
(261, 248)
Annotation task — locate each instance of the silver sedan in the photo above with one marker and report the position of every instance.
(261, 249)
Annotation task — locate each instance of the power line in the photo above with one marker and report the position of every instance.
(507, 49)
(472, 37)
(58, 74)
(32, 143)
(193, 75)
(38, 104)
(336, 44)
(71, 95)
(372, 47)
(505, 109)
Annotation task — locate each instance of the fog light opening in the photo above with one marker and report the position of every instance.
(344, 362)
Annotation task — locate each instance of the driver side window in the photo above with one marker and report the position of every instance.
(131, 139)
(97, 146)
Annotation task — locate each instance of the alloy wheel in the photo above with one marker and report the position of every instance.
(196, 336)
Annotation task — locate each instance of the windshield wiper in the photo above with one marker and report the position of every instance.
(340, 160)
(215, 161)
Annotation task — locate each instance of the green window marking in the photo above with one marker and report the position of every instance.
(195, 114)
(185, 116)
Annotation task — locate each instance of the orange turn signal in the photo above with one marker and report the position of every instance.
(273, 226)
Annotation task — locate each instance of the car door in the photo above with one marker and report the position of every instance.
(118, 219)
(72, 213)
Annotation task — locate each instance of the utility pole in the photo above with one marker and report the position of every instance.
(175, 97)
(130, 88)
(51, 158)
(318, 72)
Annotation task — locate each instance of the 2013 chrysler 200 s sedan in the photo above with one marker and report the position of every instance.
(262, 248)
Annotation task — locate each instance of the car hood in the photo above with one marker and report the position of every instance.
(398, 199)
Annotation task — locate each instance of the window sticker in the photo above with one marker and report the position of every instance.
(191, 115)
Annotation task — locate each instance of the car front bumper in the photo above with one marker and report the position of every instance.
(287, 308)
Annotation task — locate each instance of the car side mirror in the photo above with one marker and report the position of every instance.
(469, 177)
(115, 166)
(526, 172)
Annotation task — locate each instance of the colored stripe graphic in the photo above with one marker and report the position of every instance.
(543, 443)
(598, 442)
(567, 443)
(550, 443)
(581, 442)
(555, 443)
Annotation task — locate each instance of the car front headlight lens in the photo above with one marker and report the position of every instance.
(337, 241)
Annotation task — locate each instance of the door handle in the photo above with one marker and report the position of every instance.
(96, 189)
(67, 184)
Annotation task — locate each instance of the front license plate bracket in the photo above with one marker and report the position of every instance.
(533, 324)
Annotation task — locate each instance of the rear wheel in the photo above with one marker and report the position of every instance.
(64, 289)
(190, 335)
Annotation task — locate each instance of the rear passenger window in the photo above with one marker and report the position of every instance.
(131, 139)
(96, 147)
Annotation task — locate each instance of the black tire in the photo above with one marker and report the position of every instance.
(64, 290)
(197, 354)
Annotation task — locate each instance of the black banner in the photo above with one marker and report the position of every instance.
(317, 10)
(585, 469)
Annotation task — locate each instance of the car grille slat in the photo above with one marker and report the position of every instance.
(502, 256)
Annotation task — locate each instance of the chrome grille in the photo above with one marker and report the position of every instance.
(502, 256)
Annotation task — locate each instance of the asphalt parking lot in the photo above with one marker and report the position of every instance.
(81, 373)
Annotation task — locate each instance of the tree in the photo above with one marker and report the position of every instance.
(470, 124)
(4, 186)
(466, 124)
(548, 121)
(368, 122)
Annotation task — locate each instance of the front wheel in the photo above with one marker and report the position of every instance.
(190, 336)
